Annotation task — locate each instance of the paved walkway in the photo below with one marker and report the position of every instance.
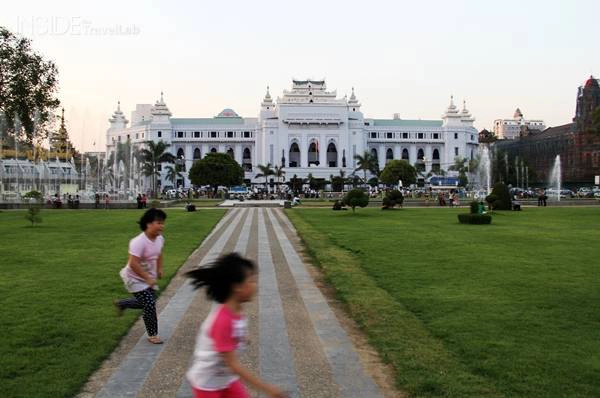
(296, 341)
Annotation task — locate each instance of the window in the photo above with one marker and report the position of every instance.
(405, 136)
(472, 137)
(420, 136)
(136, 136)
(390, 135)
(127, 137)
(230, 134)
(142, 135)
(196, 134)
(373, 135)
(119, 139)
(455, 151)
(455, 136)
(247, 134)
(436, 136)
(213, 134)
(159, 134)
(180, 134)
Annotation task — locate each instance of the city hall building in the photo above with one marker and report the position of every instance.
(306, 130)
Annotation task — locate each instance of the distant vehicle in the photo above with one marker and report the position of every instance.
(585, 192)
(564, 193)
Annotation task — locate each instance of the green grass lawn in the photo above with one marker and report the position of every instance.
(507, 309)
(57, 286)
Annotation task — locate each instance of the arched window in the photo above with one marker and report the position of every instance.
(313, 153)
(180, 153)
(294, 155)
(332, 155)
(389, 155)
(405, 155)
(374, 154)
(230, 153)
(420, 154)
(420, 165)
(435, 164)
(247, 159)
(197, 154)
(213, 150)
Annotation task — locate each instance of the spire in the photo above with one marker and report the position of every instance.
(353, 101)
(118, 116)
(465, 115)
(464, 109)
(160, 108)
(267, 101)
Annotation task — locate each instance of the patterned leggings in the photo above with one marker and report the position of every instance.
(146, 300)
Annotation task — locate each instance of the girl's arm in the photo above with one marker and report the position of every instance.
(136, 265)
(236, 367)
(159, 266)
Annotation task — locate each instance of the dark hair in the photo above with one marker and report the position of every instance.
(150, 216)
(219, 276)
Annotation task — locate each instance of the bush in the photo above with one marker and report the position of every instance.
(356, 197)
(155, 204)
(391, 199)
(33, 215)
(35, 195)
(475, 218)
(499, 199)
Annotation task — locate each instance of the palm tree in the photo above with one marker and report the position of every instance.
(265, 171)
(152, 156)
(367, 162)
(278, 172)
(173, 173)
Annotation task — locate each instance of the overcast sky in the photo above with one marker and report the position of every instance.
(403, 57)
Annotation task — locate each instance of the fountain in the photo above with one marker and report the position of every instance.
(556, 177)
(485, 170)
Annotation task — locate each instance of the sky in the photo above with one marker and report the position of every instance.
(403, 57)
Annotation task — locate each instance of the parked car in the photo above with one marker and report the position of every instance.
(585, 192)
(564, 193)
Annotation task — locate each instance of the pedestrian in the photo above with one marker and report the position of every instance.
(138, 199)
(216, 371)
(144, 201)
(106, 201)
(144, 267)
(97, 201)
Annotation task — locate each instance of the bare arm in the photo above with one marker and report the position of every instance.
(236, 367)
(136, 265)
(159, 266)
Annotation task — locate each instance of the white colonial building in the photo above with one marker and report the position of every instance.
(510, 129)
(307, 130)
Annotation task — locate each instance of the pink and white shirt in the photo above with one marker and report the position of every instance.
(148, 251)
(222, 331)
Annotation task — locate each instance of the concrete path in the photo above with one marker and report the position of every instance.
(296, 341)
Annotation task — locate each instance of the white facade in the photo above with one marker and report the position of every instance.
(307, 130)
(511, 128)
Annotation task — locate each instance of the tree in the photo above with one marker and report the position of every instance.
(462, 166)
(356, 197)
(265, 171)
(398, 170)
(295, 184)
(278, 172)
(28, 87)
(216, 169)
(173, 173)
(391, 199)
(152, 156)
(367, 162)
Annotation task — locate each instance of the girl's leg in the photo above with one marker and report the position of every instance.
(236, 390)
(130, 302)
(148, 300)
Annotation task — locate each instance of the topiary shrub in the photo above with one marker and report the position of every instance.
(391, 199)
(499, 199)
(355, 198)
(474, 207)
(338, 205)
(33, 195)
(475, 218)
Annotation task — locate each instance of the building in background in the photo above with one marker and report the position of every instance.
(307, 130)
(508, 129)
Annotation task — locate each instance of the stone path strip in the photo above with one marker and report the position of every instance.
(295, 339)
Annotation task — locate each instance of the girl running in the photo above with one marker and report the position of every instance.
(216, 370)
(143, 268)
